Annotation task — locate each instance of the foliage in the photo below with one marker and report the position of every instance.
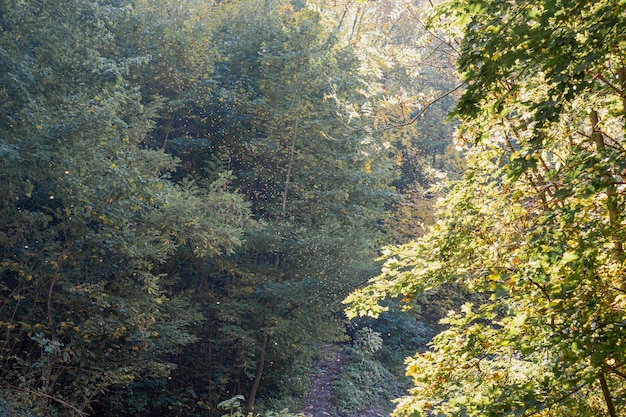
(8, 409)
(413, 87)
(89, 215)
(535, 225)
(233, 406)
(404, 331)
(280, 118)
(189, 189)
(281, 106)
(367, 340)
(363, 380)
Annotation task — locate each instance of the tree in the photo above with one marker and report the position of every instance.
(536, 223)
(172, 49)
(274, 99)
(89, 214)
(280, 119)
(413, 87)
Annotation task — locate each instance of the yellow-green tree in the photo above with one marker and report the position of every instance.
(535, 226)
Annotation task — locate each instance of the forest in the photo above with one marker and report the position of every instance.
(204, 199)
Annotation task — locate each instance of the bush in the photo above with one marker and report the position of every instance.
(364, 380)
(7, 409)
(233, 408)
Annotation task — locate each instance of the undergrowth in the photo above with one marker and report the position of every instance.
(364, 381)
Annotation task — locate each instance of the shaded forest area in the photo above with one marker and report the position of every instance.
(203, 200)
(191, 188)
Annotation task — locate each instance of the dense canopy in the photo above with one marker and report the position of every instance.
(190, 189)
(535, 228)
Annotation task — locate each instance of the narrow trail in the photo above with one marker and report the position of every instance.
(319, 402)
(320, 398)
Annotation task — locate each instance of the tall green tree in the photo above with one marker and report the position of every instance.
(274, 99)
(536, 224)
(285, 117)
(89, 215)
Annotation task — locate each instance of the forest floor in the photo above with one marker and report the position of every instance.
(320, 398)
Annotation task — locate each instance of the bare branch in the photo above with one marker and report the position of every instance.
(426, 107)
(433, 34)
(80, 413)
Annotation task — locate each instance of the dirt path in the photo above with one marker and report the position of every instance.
(319, 403)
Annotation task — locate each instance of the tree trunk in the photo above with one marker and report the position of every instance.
(168, 131)
(607, 396)
(621, 74)
(611, 192)
(259, 373)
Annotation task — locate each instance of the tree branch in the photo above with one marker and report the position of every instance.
(569, 394)
(607, 396)
(430, 32)
(418, 115)
(53, 398)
